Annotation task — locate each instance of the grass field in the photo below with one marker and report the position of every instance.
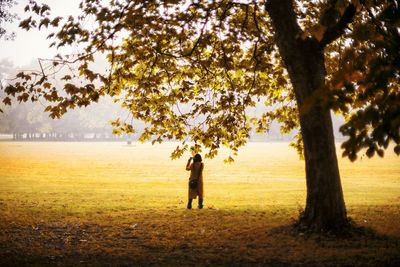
(114, 204)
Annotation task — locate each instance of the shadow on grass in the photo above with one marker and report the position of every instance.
(351, 231)
(354, 245)
(174, 237)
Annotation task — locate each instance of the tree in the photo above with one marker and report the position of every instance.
(6, 16)
(191, 69)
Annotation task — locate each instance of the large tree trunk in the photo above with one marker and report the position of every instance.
(304, 60)
(325, 207)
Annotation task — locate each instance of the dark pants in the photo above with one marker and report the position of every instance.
(200, 206)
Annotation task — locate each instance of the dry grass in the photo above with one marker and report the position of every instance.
(114, 204)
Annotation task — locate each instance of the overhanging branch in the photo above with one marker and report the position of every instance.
(335, 30)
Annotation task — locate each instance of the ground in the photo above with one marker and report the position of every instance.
(108, 204)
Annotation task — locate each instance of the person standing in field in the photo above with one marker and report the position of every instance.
(195, 180)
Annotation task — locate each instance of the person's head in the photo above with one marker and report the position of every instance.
(197, 158)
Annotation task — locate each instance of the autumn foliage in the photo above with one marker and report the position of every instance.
(192, 70)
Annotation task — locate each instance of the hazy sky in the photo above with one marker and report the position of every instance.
(28, 46)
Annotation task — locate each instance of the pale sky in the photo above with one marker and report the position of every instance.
(28, 46)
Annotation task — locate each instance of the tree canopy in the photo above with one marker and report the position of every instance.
(191, 69)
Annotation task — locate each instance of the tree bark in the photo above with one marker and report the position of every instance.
(304, 60)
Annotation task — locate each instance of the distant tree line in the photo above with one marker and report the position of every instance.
(28, 122)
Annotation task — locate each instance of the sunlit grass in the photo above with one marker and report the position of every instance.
(136, 193)
(263, 174)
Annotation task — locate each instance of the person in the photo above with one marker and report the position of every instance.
(196, 172)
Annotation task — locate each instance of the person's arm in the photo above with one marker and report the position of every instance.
(188, 165)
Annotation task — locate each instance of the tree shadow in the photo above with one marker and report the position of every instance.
(209, 237)
(351, 231)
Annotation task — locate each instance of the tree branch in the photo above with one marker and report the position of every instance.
(335, 30)
(255, 17)
(284, 22)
